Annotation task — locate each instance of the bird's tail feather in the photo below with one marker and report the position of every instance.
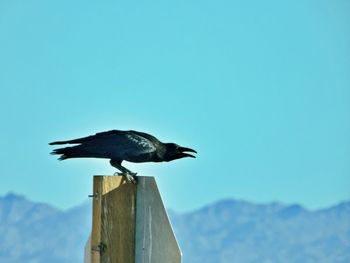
(66, 153)
(58, 142)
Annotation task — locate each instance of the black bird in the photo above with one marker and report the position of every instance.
(132, 146)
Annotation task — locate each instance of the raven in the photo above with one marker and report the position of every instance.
(116, 145)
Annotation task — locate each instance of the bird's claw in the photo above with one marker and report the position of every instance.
(130, 176)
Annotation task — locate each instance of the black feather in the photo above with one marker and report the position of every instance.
(132, 146)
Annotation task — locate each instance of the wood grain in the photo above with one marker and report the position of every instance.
(155, 239)
(130, 224)
(106, 187)
(118, 224)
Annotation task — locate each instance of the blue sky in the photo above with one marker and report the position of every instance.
(260, 88)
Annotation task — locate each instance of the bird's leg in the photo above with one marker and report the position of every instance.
(130, 176)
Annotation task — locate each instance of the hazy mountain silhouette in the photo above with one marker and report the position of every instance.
(226, 231)
(37, 233)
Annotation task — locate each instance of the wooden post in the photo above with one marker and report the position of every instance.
(129, 224)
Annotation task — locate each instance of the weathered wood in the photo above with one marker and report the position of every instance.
(129, 224)
(118, 224)
(87, 251)
(155, 239)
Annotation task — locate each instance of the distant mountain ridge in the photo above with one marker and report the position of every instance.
(238, 231)
(35, 232)
(226, 231)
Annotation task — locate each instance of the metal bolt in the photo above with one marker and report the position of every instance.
(94, 195)
(99, 248)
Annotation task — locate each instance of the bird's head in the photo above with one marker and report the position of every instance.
(174, 151)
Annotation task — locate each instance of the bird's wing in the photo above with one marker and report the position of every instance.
(100, 135)
(140, 143)
(146, 135)
(115, 143)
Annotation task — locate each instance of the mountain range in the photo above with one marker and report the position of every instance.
(225, 231)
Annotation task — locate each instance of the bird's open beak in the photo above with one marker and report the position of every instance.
(183, 150)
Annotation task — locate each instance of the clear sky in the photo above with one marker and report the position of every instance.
(261, 89)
